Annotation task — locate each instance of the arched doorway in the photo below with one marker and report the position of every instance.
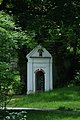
(40, 81)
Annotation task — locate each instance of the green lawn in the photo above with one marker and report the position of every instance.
(62, 98)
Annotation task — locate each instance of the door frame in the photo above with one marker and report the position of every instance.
(41, 70)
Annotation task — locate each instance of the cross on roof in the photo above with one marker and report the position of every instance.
(40, 50)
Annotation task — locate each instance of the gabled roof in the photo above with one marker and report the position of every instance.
(35, 53)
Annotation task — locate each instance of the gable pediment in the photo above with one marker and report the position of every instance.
(39, 51)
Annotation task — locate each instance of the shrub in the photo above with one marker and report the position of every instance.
(77, 78)
(14, 115)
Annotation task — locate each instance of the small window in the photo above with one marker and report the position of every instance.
(40, 52)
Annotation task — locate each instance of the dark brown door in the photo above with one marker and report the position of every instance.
(40, 85)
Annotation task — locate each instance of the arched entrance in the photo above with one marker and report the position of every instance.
(40, 81)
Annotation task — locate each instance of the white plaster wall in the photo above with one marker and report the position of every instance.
(51, 78)
(29, 77)
(39, 63)
(36, 62)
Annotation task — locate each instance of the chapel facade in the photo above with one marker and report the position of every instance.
(39, 70)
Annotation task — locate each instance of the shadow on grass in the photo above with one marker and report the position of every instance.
(52, 116)
(63, 94)
(45, 115)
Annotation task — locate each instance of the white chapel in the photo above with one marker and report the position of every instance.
(39, 70)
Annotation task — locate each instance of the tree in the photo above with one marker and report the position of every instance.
(50, 20)
(11, 39)
(53, 20)
(6, 53)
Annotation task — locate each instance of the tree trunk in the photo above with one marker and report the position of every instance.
(22, 63)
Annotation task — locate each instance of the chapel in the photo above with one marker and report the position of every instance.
(39, 70)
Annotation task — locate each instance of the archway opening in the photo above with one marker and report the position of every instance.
(40, 81)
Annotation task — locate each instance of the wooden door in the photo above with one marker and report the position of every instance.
(40, 85)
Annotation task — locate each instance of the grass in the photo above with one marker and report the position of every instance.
(38, 115)
(62, 98)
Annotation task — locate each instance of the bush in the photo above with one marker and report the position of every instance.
(17, 87)
(9, 85)
(14, 115)
(77, 78)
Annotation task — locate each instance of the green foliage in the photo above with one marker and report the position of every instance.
(19, 116)
(44, 21)
(14, 115)
(48, 20)
(77, 78)
(11, 39)
(17, 87)
(7, 84)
